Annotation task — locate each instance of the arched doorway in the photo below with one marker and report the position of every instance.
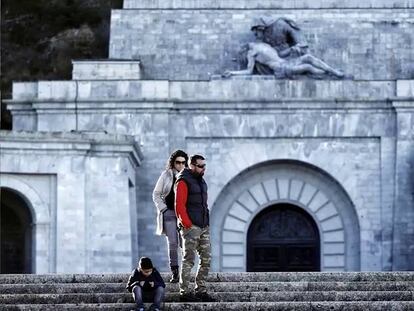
(16, 233)
(283, 237)
(301, 185)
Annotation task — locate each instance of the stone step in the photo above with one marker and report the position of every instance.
(67, 288)
(220, 297)
(218, 277)
(239, 306)
(106, 70)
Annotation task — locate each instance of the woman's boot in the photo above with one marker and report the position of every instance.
(175, 276)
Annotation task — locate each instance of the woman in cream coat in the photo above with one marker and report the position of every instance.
(164, 199)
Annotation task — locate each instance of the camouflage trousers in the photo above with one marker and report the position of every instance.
(195, 239)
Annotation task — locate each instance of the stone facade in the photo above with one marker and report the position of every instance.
(77, 187)
(340, 150)
(181, 43)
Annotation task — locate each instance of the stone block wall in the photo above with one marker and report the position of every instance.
(404, 211)
(356, 133)
(266, 4)
(106, 70)
(77, 189)
(346, 128)
(192, 43)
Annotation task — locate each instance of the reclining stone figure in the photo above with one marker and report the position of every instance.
(264, 54)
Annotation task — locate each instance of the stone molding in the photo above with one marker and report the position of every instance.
(254, 89)
(81, 142)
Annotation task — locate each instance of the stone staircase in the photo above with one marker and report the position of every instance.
(387, 291)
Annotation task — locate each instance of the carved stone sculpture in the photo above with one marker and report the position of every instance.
(280, 50)
(283, 34)
(262, 53)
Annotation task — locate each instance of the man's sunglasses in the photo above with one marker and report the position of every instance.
(180, 162)
(200, 165)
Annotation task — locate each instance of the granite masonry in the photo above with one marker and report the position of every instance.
(85, 154)
(79, 190)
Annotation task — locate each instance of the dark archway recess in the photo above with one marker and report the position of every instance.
(16, 234)
(283, 237)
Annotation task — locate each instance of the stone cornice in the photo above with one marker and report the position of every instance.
(94, 143)
(253, 94)
(406, 105)
(211, 106)
(248, 88)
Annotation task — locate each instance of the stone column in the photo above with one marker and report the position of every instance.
(403, 250)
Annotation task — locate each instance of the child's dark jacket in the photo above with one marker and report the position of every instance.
(136, 277)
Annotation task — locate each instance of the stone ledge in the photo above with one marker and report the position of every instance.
(214, 106)
(239, 306)
(253, 296)
(260, 4)
(61, 288)
(90, 142)
(217, 277)
(254, 88)
(106, 70)
(405, 88)
(91, 137)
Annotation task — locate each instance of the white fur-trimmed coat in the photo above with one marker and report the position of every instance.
(161, 191)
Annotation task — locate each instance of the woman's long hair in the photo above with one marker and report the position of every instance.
(174, 156)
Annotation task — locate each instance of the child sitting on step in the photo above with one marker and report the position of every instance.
(146, 283)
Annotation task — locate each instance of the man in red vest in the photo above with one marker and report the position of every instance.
(193, 217)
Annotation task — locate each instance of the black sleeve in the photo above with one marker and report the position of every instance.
(158, 279)
(131, 280)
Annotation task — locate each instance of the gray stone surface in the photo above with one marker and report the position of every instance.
(269, 4)
(193, 43)
(256, 89)
(347, 129)
(106, 70)
(240, 277)
(341, 150)
(264, 306)
(222, 297)
(63, 177)
(246, 291)
(63, 288)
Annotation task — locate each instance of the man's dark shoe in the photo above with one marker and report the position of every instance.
(204, 297)
(189, 298)
(154, 308)
(175, 275)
